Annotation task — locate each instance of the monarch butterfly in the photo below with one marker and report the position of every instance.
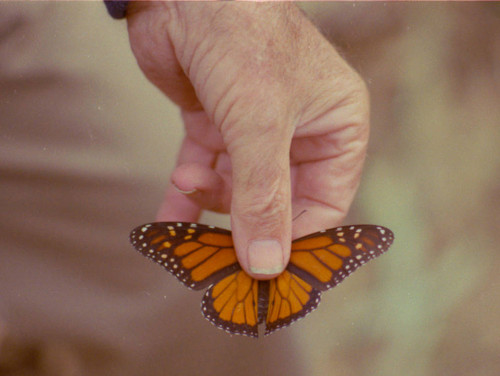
(202, 256)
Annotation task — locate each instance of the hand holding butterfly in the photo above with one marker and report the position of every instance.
(276, 121)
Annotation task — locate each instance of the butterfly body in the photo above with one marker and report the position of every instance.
(201, 256)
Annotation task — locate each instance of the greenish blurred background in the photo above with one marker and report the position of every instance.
(431, 305)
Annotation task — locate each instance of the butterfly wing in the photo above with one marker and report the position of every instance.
(232, 304)
(319, 262)
(197, 255)
(326, 258)
(290, 298)
(201, 256)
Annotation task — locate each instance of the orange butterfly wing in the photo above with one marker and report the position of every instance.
(325, 258)
(198, 255)
(201, 256)
(289, 299)
(232, 304)
(319, 262)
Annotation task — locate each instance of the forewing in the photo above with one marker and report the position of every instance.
(198, 255)
(326, 258)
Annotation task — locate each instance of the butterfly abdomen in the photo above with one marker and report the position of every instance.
(263, 300)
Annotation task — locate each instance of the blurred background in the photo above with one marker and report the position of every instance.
(432, 175)
(86, 147)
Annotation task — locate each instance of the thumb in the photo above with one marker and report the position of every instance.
(261, 203)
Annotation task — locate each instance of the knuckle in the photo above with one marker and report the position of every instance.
(268, 205)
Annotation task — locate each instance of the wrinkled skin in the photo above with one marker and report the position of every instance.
(276, 121)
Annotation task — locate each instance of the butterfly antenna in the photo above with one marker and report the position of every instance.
(298, 215)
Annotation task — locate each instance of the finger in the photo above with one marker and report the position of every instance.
(203, 186)
(176, 206)
(261, 204)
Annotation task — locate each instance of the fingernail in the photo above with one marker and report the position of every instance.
(182, 191)
(265, 257)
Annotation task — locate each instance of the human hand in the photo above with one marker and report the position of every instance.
(276, 121)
